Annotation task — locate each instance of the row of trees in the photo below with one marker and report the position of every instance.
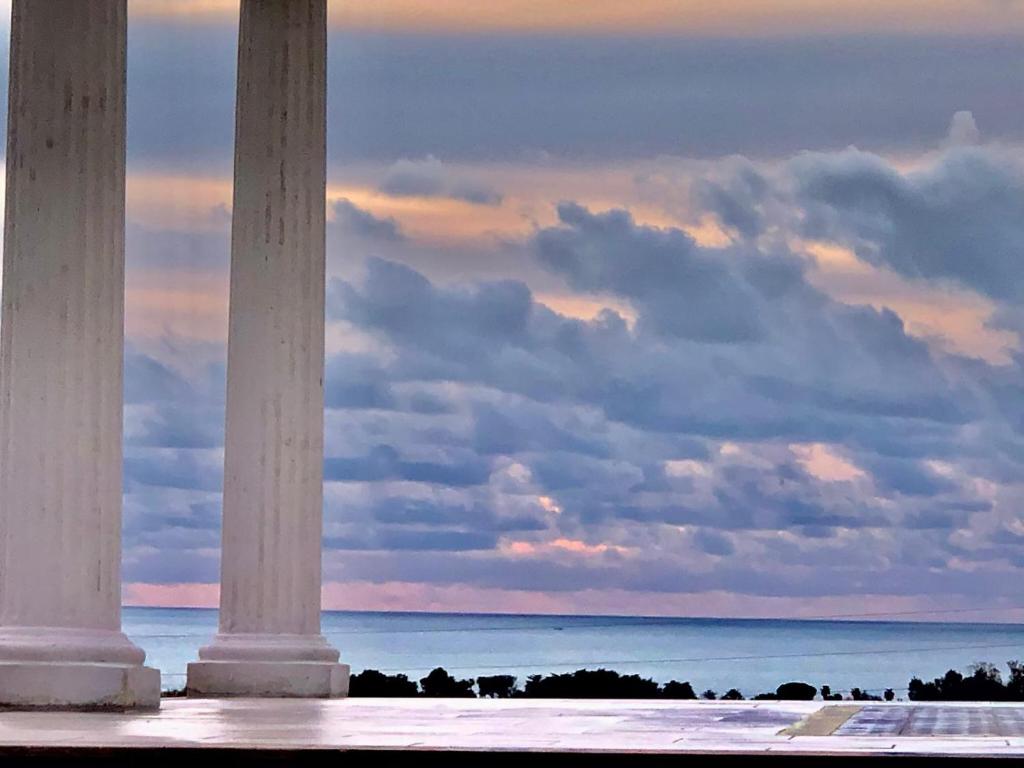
(582, 684)
(984, 682)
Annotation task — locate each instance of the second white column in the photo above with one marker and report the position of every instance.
(269, 642)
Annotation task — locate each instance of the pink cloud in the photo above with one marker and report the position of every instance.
(575, 546)
(171, 595)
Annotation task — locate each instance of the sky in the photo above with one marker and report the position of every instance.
(662, 307)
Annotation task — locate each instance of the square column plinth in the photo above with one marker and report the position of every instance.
(271, 665)
(268, 679)
(63, 668)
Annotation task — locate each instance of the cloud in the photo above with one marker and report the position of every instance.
(357, 221)
(533, 428)
(421, 541)
(478, 194)
(430, 178)
(384, 463)
(147, 380)
(681, 289)
(736, 200)
(909, 477)
(738, 426)
(714, 543)
(171, 468)
(960, 219)
(735, 356)
(517, 426)
(776, 359)
(572, 467)
(963, 130)
(414, 178)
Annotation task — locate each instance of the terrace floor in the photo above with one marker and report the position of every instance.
(505, 728)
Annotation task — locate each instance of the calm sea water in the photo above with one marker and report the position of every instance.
(752, 655)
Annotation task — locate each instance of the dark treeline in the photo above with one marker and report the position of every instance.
(582, 684)
(983, 682)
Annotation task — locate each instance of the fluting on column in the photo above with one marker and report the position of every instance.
(269, 642)
(61, 364)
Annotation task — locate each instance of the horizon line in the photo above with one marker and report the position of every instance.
(895, 617)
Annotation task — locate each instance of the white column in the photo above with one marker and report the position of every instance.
(61, 364)
(269, 643)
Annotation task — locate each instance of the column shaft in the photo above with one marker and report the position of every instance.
(273, 477)
(61, 355)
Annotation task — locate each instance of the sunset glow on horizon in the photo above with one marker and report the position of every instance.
(752, 18)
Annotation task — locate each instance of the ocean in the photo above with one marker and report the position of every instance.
(753, 655)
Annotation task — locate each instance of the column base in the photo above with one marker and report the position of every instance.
(70, 668)
(71, 685)
(268, 679)
(268, 665)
